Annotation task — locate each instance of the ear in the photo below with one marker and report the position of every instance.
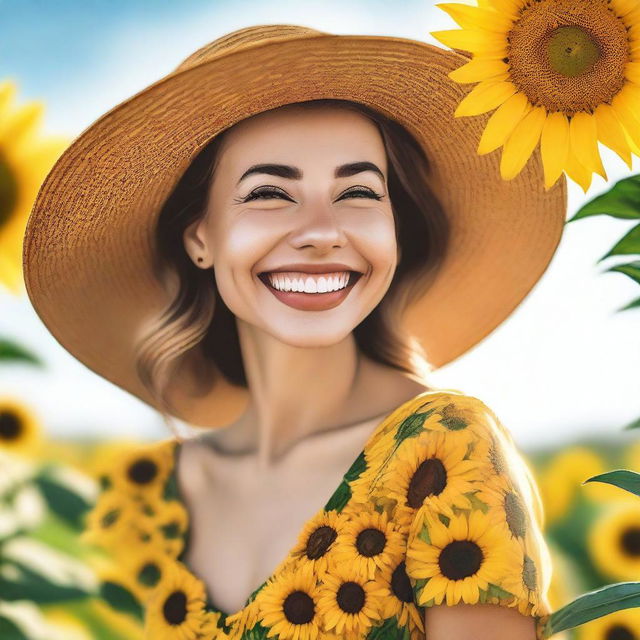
(195, 243)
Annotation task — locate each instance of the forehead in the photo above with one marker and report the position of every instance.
(293, 131)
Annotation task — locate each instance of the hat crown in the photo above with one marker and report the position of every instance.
(247, 37)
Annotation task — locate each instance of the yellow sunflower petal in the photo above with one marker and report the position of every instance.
(554, 145)
(611, 133)
(583, 133)
(520, 144)
(506, 7)
(479, 69)
(7, 93)
(470, 17)
(473, 40)
(623, 7)
(577, 172)
(503, 121)
(20, 123)
(485, 96)
(632, 72)
(625, 105)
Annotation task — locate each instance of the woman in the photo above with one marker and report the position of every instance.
(332, 493)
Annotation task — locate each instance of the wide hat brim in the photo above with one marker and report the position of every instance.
(88, 242)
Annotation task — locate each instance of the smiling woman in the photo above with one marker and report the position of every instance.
(275, 245)
(269, 213)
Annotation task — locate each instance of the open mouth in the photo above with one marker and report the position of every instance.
(354, 276)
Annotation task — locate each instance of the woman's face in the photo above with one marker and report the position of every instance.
(299, 202)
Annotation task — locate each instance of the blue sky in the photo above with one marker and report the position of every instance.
(564, 363)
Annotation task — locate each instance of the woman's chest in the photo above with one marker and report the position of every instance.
(243, 525)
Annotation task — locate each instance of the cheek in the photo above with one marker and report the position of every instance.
(376, 239)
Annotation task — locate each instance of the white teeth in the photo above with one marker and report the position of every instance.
(309, 284)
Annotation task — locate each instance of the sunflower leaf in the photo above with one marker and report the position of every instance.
(628, 244)
(10, 351)
(9, 631)
(340, 498)
(632, 269)
(623, 478)
(636, 423)
(594, 604)
(120, 598)
(632, 305)
(621, 201)
(64, 502)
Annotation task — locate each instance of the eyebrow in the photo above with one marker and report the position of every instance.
(293, 173)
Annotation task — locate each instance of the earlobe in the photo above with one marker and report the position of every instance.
(194, 244)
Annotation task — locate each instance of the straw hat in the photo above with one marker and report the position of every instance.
(88, 243)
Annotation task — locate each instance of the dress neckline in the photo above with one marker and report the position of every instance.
(173, 477)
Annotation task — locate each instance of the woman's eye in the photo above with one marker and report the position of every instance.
(368, 193)
(274, 192)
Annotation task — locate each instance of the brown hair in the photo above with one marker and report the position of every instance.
(197, 317)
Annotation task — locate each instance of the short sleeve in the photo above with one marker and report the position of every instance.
(477, 537)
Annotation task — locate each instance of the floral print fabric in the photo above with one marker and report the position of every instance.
(439, 508)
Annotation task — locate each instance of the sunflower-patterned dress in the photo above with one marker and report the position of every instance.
(438, 508)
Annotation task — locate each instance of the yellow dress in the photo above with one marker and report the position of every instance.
(438, 508)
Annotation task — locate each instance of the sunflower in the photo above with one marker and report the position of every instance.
(368, 543)
(111, 520)
(25, 159)
(143, 472)
(619, 624)
(289, 604)
(146, 567)
(431, 468)
(398, 599)
(20, 429)
(348, 604)
(469, 560)
(561, 73)
(176, 611)
(316, 539)
(612, 541)
(171, 522)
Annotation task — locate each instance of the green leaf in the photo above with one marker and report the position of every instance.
(340, 498)
(9, 631)
(357, 468)
(622, 478)
(594, 604)
(121, 599)
(629, 244)
(632, 269)
(21, 583)
(70, 506)
(388, 630)
(631, 305)
(636, 423)
(621, 201)
(11, 352)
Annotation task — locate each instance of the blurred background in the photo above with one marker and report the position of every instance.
(561, 373)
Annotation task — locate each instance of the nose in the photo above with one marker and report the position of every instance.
(318, 225)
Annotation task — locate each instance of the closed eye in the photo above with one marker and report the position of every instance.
(268, 192)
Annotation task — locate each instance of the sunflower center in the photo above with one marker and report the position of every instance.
(460, 559)
(320, 541)
(400, 583)
(171, 530)
(10, 424)
(149, 574)
(619, 632)
(110, 518)
(572, 51)
(515, 514)
(175, 608)
(568, 56)
(430, 478)
(8, 191)
(142, 471)
(631, 541)
(529, 573)
(370, 542)
(298, 607)
(350, 597)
